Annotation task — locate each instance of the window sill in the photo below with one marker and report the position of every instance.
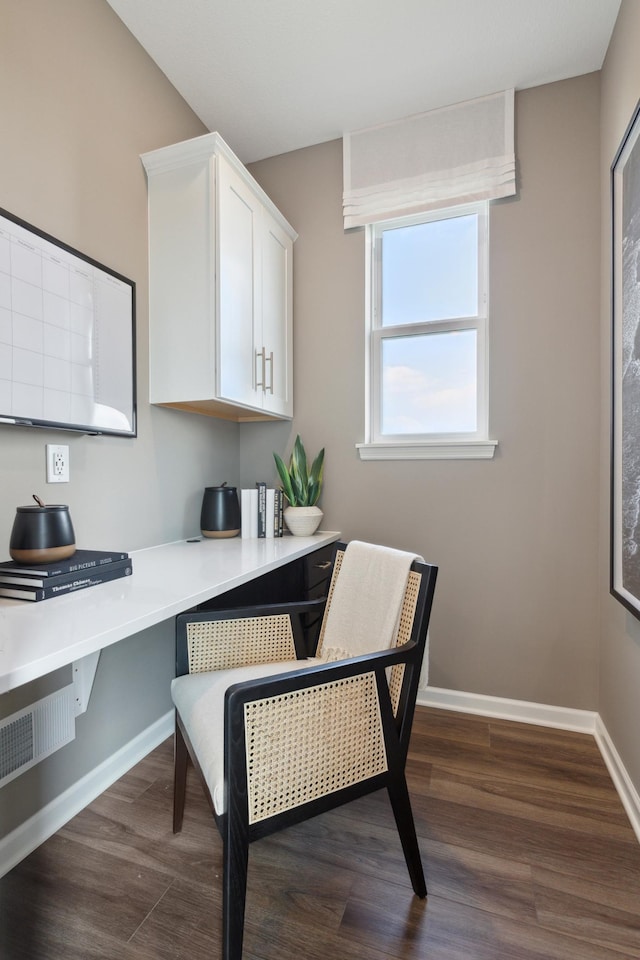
(429, 450)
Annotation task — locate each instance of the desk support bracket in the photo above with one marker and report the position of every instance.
(84, 673)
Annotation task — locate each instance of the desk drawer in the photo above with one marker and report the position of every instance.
(317, 571)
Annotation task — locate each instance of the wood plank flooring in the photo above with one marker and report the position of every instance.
(527, 850)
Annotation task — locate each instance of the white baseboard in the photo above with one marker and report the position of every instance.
(562, 718)
(24, 839)
(521, 711)
(621, 779)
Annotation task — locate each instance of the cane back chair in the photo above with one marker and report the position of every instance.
(277, 739)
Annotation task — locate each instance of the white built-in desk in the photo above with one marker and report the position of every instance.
(36, 638)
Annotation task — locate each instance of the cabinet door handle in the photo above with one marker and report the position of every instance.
(323, 566)
(269, 359)
(260, 355)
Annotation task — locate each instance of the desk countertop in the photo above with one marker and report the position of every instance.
(36, 638)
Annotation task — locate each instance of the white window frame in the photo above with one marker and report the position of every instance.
(379, 446)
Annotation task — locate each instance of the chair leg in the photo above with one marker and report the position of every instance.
(234, 889)
(180, 762)
(401, 805)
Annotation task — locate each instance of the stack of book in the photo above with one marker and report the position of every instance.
(86, 568)
(261, 511)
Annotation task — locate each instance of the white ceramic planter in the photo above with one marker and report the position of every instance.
(303, 521)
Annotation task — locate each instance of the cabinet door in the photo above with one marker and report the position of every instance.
(238, 269)
(277, 338)
(181, 291)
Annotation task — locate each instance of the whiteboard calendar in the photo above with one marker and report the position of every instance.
(67, 336)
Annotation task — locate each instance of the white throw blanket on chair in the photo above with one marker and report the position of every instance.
(367, 600)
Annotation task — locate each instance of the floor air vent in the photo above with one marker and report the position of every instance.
(30, 735)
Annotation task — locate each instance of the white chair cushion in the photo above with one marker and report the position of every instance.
(199, 699)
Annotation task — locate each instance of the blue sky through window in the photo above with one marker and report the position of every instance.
(430, 271)
(429, 381)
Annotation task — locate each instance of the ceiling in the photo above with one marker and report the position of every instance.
(275, 75)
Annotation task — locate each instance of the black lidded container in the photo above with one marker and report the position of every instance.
(220, 515)
(42, 534)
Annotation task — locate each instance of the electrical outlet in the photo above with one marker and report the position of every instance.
(57, 463)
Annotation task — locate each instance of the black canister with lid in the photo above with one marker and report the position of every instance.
(42, 534)
(220, 515)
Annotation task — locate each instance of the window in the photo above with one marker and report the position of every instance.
(427, 336)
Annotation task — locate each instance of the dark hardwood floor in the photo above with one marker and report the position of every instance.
(527, 851)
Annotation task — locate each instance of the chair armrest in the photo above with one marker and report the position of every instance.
(312, 674)
(262, 609)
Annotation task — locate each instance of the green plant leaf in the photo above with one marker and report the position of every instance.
(317, 467)
(298, 471)
(315, 479)
(299, 457)
(283, 473)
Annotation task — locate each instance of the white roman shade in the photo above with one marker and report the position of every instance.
(456, 154)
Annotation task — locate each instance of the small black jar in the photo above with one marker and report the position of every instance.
(42, 534)
(220, 515)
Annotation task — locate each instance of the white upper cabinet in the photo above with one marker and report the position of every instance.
(220, 273)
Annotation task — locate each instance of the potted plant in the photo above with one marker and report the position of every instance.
(301, 487)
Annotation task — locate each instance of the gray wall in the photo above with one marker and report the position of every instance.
(516, 538)
(79, 102)
(619, 702)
